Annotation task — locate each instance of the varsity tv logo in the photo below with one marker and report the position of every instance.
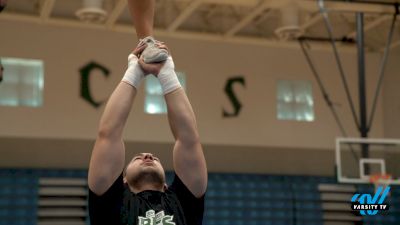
(368, 205)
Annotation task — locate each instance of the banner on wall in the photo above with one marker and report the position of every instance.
(237, 106)
(85, 72)
(86, 95)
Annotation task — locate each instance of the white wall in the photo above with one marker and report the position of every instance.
(207, 65)
(391, 95)
(60, 134)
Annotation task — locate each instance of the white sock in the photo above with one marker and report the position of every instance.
(134, 74)
(168, 78)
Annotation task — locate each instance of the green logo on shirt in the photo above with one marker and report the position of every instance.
(156, 219)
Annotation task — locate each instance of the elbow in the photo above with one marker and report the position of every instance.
(97, 185)
(189, 139)
(105, 132)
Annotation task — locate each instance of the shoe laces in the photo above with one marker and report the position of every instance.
(148, 40)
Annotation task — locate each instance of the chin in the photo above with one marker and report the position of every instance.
(147, 174)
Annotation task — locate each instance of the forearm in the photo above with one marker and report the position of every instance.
(108, 153)
(181, 117)
(117, 111)
(188, 158)
(120, 103)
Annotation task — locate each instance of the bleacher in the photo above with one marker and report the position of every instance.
(18, 197)
(44, 197)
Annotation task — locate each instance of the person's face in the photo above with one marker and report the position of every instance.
(145, 167)
(3, 4)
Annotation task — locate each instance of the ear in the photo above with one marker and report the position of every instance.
(125, 180)
(165, 186)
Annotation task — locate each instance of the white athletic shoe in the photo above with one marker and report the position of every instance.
(152, 54)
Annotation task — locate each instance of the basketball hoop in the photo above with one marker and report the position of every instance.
(380, 180)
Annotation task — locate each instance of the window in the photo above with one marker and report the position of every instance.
(154, 102)
(295, 100)
(22, 83)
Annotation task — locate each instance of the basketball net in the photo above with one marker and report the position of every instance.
(380, 180)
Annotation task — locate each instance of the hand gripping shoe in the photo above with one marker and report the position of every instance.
(152, 53)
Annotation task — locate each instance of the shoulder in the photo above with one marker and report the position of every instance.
(115, 192)
(106, 208)
(182, 191)
(192, 206)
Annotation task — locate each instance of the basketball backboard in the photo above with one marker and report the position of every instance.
(383, 158)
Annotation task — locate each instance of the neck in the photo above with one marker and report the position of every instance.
(145, 187)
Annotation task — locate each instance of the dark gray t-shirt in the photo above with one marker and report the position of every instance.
(119, 206)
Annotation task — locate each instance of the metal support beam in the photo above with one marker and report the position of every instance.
(333, 6)
(46, 9)
(395, 44)
(329, 28)
(245, 3)
(362, 93)
(382, 70)
(313, 20)
(185, 14)
(247, 19)
(116, 12)
(186, 35)
(378, 21)
(309, 5)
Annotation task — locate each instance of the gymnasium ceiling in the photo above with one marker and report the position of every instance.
(235, 21)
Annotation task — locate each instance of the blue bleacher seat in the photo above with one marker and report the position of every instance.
(232, 199)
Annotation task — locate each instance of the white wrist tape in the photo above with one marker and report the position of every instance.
(168, 78)
(134, 73)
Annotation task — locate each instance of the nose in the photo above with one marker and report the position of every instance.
(148, 156)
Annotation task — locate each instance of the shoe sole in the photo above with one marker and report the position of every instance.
(160, 57)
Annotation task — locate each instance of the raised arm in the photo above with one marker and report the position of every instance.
(108, 155)
(188, 157)
(189, 161)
